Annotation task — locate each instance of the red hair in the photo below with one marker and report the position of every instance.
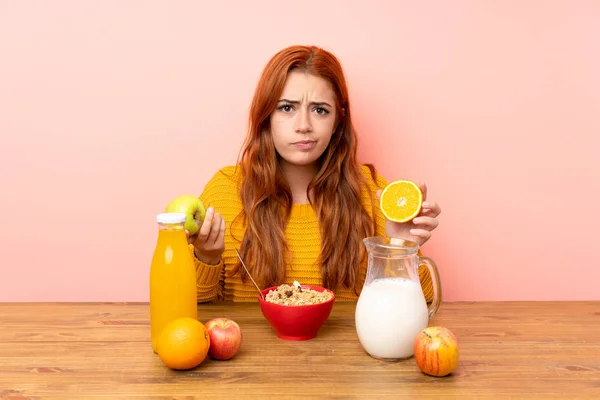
(335, 190)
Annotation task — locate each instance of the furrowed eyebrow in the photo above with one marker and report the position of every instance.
(314, 103)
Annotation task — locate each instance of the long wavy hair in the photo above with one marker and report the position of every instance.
(335, 191)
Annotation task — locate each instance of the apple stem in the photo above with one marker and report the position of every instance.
(427, 334)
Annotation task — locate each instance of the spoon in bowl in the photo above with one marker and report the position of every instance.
(248, 272)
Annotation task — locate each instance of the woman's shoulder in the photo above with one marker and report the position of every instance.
(373, 178)
(224, 182)
(222, 191)
(229, 175)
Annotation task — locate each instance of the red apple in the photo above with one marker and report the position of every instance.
(436, 351)
(225, 338)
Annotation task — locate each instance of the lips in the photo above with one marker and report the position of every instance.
(305, 144)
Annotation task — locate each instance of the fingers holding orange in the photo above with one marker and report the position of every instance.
(422, 222)
(423, 187)
(421, 235)
(431, 209)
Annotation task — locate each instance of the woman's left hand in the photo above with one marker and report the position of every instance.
(419, 229)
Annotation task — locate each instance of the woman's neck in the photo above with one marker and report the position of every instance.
(298, 178)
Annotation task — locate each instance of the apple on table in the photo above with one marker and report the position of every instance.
(436, 351)
(225, 338)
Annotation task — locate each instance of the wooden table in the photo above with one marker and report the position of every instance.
(102, 351)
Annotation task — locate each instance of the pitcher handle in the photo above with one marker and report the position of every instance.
(435, 282)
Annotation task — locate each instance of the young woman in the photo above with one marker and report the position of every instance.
(297, 205)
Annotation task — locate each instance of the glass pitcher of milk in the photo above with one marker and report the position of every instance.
(391, 309)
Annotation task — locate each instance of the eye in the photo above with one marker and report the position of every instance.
(321, 111)
(285, 108)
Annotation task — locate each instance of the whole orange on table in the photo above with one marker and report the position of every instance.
(183, 343)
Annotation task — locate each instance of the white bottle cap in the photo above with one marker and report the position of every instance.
(170, 218)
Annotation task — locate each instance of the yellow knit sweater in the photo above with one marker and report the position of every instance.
(302, 235)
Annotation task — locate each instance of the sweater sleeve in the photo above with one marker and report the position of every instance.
(379, 184)
(209, 278)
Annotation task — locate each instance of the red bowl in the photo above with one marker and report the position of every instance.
(296, 322)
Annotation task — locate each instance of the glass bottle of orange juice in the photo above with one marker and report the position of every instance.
(172, 275)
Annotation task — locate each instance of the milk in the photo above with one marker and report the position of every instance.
(390, 313)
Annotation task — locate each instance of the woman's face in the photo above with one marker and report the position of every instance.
(304, 119)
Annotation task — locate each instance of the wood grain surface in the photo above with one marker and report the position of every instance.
(514, 350)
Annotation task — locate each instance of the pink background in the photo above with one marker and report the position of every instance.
(108, 109)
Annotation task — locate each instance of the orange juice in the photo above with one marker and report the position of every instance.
(172, 276)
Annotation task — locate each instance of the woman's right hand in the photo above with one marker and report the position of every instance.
(209, 242)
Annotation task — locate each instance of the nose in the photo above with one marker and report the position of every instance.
(303, 123)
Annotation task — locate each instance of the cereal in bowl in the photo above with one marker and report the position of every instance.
(295, 295)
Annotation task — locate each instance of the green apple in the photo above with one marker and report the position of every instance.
(192, 207)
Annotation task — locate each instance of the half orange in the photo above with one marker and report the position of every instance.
(401, 201)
